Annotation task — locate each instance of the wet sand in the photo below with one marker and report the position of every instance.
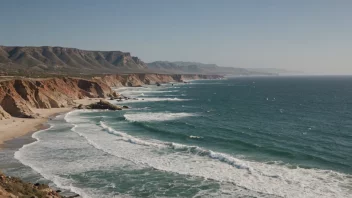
(17, 127)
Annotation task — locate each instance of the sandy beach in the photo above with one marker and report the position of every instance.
(16, 127)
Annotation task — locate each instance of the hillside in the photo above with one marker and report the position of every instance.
(27, 60)
(51, 61)
(180, 67)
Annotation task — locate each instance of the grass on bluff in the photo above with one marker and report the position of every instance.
(19, 188)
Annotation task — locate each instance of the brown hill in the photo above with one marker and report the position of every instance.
(56, 60)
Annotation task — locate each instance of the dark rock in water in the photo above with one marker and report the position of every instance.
(80, 106)
(157, 84)
(103, 105)
(77, 195)
(125, 107)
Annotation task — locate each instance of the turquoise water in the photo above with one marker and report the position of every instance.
(239, 137)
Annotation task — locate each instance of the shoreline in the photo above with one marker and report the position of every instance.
(16, 127)
(17, 132)
(13, 127)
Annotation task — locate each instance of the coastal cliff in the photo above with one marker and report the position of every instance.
(19, 96)
(135, 80)
(3, 114)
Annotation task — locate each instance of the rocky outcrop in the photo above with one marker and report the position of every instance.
(102, 104)
(3, 114)
(14, 187)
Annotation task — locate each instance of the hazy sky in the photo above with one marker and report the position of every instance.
(307, 35)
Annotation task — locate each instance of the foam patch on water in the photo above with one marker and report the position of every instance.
(153, 100)
(151, 91)
(126, 137)
(195, 137)
(150, 117)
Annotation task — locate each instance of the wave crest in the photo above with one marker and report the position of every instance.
(181, 147)
(154, 100)
(150, 117)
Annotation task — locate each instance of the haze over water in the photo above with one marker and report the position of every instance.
(250, 136)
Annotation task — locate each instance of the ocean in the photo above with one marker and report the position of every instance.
(237, 137)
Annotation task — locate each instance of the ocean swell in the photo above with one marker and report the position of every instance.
(58, 181)
(150, 117)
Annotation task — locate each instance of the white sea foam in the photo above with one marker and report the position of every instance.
(272, 179)
(195, 137)
(133, 92)
(229, 170)
(150, 91)
(150, 117)
(45, 156)
(126, 137)
(151, 99)
(20, 155)
(175, 146)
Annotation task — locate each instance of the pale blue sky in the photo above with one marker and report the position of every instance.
(308, 35)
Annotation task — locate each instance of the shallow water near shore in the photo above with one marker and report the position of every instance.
(253, 136)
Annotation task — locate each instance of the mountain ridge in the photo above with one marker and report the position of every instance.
(29, 59)
(55, 60)
(182, 67)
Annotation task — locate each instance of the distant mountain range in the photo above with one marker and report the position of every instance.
(16, 60)
(179, 67)
(66, 60)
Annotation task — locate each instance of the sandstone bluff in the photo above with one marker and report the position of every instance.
(19, 96)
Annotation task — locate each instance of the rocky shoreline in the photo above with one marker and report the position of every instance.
(18, 97)
(28, 103)
(14, 187)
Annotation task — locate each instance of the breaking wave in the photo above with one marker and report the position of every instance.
(150, 117)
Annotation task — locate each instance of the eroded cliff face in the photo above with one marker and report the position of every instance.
(4, 114)
(18, 97)
(135, 80)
